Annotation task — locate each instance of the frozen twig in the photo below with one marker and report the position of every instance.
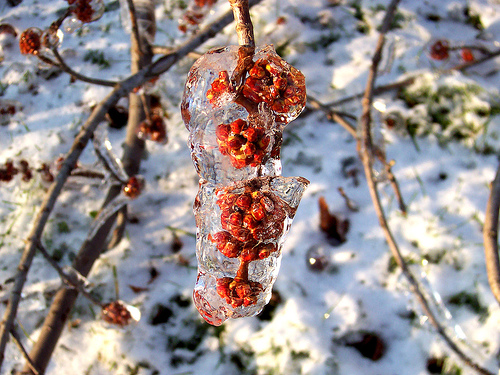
(80, 142)
(365, 149)
(490, 236)
(244, 27)
(71, 280)
(20, 345)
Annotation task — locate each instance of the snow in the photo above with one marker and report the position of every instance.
(444, 181)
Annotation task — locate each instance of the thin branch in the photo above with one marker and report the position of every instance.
(365, 149)
(244, 27)
(67, 278)
(490, 236)
(145, 105)
(332, 115)
(64, 67)
(467, 65)
(376, 91)
(95, 81)
(379, 90)
(471, 47)
(81, 140)
(19, 344)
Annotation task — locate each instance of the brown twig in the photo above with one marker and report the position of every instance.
(81, 140)
(471, 47)
(490, 236)
(365, 148)
(20, 345)
(351, 205)
(145, 105)
(95, 81)
(162, 50)
(339, 117)
(135, 27)
(244, 27)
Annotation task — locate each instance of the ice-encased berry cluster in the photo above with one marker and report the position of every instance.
(236, 103)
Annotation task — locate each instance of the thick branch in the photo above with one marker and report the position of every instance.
(490, 236)
(81, 140)
(365, 148)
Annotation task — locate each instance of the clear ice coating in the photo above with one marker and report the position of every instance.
(236, 103)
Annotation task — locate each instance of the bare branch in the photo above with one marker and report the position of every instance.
(490, 236)
(379, 90)
(365, 148)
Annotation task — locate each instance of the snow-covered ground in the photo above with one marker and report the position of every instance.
(318, 318)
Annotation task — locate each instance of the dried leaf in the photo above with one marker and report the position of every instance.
(334, 227)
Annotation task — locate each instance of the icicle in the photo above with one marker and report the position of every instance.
(75, 278)
(235, 105)
(103, 149)
(113, 207)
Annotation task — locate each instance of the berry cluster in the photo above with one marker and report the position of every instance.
(195, 14)
(281, 89)
(253, 222)
(244, 143)
(237, 292)
(440, 50)
(87, 10)
(9, 170)
(153, 129)
(270, 80)
(218, 88)
(134, 187)
(30, 41)
(467, 55)
(116, 312)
